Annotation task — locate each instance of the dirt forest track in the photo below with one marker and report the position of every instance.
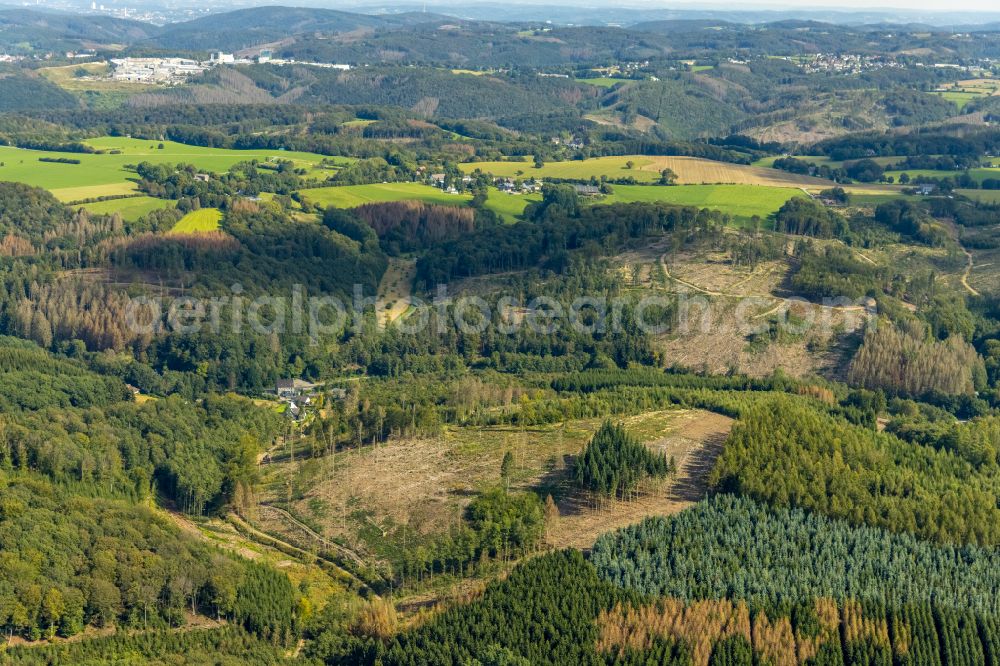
(965, 273)
(952, 229)
(242, 537)
(297, 524)
(246, 528)
(781, 302)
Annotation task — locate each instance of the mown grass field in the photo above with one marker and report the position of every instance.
(209, 159)
(822, 160)
(986, 196)
(982, 174)
(106, 174)
(920, 173)
(960, 98)
(689, 170)
(349, 196)
(198, 221)
(509, 206)
(130, 209)
(963, 92)
(874, 198)
(977, 174)
(741, 201)
(602, 82)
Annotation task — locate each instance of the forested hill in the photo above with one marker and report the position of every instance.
(799, 37)
(262, 25)
(26, 30)
(29, 93)
(49, 30)
(417, 37)
(487, 45)
(726, 582)
(80, 464)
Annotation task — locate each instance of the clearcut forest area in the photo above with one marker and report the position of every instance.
(499, 336)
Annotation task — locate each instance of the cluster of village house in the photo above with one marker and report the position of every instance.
(511, 185)
(298, 395)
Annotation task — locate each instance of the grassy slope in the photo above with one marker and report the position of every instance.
(105, 174)
(978, 174)
(741, 201)
(690, 171)
(738, 200)
(130, 209)
(612, 167)
(602, 82)
(350, 196)
(205, 219)
(987, 196)
(509, 206)
(961, 99)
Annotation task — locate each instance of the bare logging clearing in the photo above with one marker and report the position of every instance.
(403, 489)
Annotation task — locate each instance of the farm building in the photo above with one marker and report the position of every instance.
(293, 388)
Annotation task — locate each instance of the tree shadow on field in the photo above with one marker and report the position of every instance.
(691, 482)
(558, 482)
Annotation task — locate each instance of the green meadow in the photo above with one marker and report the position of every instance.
(961, 98)
(920, 173)
(602, 82)
(822, 160)
(349, 196)
(509, 206)
(979, 175)
(741, 201)
(982, 174)
(612, 167)
(198, 221)
(104, 174)
(986, 196)
(874, 199)
(130, 209)
(357, 122)
(646, 169)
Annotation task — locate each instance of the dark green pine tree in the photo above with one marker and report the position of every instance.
(614, 463)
